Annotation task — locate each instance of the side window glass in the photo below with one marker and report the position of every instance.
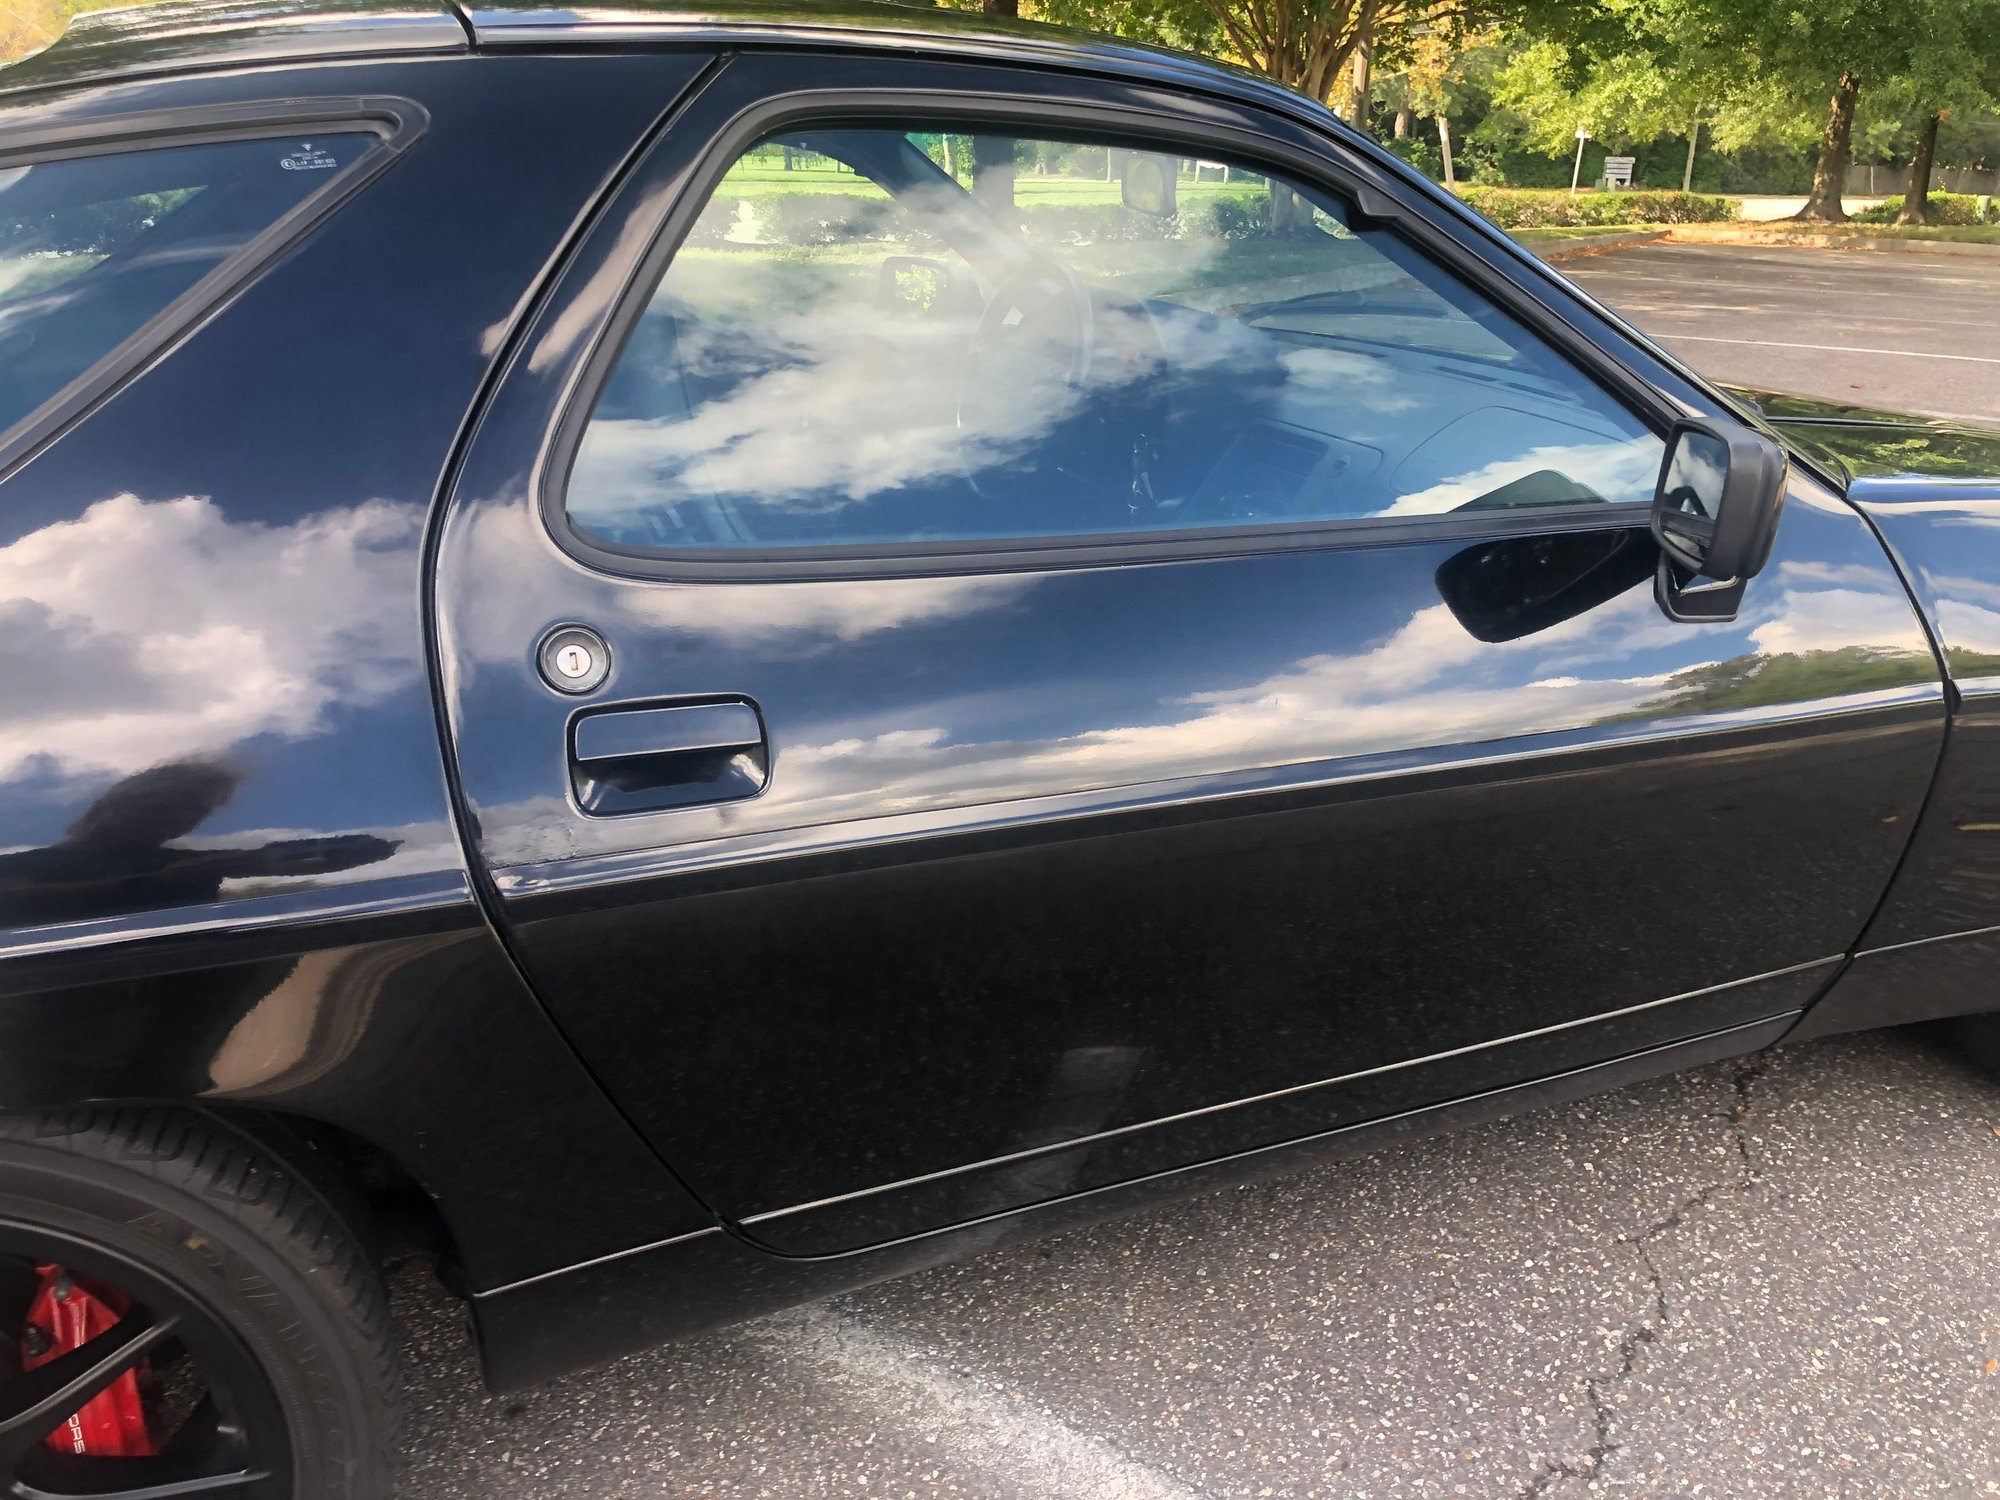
(93, 247)
(873, 338)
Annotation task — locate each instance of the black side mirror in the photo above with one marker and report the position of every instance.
(1715, 515)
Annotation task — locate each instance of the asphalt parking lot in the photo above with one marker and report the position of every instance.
(1776, 1277)
(1905, 330)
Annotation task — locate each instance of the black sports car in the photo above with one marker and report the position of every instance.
(691, 657)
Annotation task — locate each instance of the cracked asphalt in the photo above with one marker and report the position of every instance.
(1772, 1277)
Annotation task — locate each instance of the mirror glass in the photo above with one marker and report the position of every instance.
(1696, 469)
(1147, 184)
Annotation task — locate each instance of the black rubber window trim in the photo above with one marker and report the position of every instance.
(875, 105)
(395, 122)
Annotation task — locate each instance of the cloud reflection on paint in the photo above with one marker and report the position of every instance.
(143, 632)
(1427, 684)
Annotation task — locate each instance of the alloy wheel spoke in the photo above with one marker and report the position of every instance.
(45, 1475)
(33, 1403)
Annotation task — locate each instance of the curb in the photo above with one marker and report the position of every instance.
(1590, 244)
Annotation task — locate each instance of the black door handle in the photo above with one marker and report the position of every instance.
(643, 757)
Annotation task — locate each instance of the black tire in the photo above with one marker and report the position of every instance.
(241, 1240)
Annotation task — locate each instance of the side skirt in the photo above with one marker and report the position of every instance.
(549, 1325)
(1926, 980)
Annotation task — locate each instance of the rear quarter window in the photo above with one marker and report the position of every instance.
(98, 251)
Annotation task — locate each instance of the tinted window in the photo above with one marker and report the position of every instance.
(874, 337)
(93, 247)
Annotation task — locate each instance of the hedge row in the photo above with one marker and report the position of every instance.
(1232, 217)
(1945, 208)
(1522, 208)
(798, 219)
(834, 218)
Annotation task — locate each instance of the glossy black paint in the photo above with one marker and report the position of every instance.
(231, 868)
(533, 1332)
(135, 41)
(1932, 490)
(1068, 874)
(1940, 530)
(1073, 887)
(402, 1023)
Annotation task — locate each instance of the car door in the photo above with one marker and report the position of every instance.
(1006, 632)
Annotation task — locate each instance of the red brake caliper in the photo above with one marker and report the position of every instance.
(66, 1314)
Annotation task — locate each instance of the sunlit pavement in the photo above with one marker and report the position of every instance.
(1764, 207)
(1904, 330)
(1773, 1278)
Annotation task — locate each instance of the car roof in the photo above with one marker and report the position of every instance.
(192, 35)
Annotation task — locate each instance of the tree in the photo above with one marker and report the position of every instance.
(1636, 68)
(1958, 69)
(1836, 153)
(1916, 196)
(1833, 52)
(1307, 45)
(1429, 79)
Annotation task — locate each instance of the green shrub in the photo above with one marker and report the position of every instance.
(1223, 217)
(789, 218)
(1520, 208)
(1092, 224)
(1417, 152)
(1945, 208)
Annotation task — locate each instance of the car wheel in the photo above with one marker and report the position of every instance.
(192, 1316)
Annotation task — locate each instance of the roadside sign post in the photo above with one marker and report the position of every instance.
(1582, 135)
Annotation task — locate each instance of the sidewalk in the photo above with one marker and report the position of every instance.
(1762, 207)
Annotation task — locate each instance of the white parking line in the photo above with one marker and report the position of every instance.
(1707, 338)
(1003, 1440)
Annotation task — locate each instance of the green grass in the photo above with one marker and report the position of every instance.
(1575, 231)
(1145, 268)
(1029, 187)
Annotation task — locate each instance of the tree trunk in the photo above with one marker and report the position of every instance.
(993, 170)
(1364, 69)
(1835, 153)
(1405, 117)
(1290, 214)
(1917, 196)
(1694, 140)
(1444, 144)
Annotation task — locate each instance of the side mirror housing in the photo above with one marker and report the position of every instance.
(1715, 516)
